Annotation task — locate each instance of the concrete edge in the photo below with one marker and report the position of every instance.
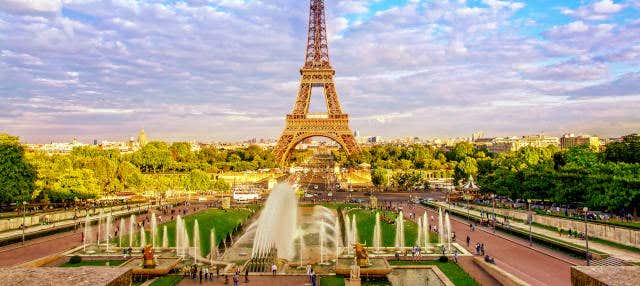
(445, 280)
(505, 278)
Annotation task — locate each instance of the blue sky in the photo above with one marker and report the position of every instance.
(228, 69)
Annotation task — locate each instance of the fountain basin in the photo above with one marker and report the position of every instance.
(378, 267)
(163, 266)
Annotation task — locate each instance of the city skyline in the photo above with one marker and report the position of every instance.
(228, 70)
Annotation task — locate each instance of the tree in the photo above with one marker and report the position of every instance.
(380, 177)
(17, 175)
(467, 167)
(196, 180)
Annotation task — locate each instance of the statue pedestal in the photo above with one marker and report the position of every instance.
(354, 282)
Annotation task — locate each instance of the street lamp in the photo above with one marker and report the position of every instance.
(586, 233)
(493, 196)
(530, 216)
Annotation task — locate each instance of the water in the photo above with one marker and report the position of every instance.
(301, 245)
(420, 232)
(180, 237)
(336, 237)
(107, 234)
(440, 226)
(349, 234)
(99, 226)
(321, 242)
(213, 252)
(165, 238)
(447, 223)
(143, 238)
(377, 234)
(132, 226)
(87, 233)
(277, 224)
(121, 232)
(425, 228)
(196, 241)
(154, 230)
(354, 229)
(400, 241)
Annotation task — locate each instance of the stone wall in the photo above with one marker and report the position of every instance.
(605, 275)
(622, 235)
(505, 278)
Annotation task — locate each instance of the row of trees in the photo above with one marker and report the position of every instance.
(88, 172)
(607, 179)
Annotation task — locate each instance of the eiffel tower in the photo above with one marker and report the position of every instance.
(316, 72)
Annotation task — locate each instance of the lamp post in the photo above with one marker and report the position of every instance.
(586, 233)
(493, 197)
(530, 216)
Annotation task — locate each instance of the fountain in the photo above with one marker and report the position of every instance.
(440, 226)
(148, 260)
(180, 239)
(420, 232)
(154, 230)
(196, 241)
(377, 234)
(213, 252)
(87, 233)
(336, 237)
(132, 226)
(301, 246)
(277, 224)
(143, 238)
(447, 223)
(400, 241)
(425, 228)
(108, 231)
(321, 242)
(121, 232)
(99, 226)
(349, 234)
(165, 238)
(354, 228)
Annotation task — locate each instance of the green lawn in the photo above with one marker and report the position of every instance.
(450, 269)
(366, 221)
(169, 280)
(332, 281)
(94, 263)
(223, 221)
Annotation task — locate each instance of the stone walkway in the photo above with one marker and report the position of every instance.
(614, 251)
(513, 255)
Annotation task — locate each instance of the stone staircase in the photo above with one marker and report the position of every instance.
(611, 261)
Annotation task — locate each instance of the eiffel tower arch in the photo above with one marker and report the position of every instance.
(316, 72)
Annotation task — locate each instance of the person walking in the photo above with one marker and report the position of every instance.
(455, 256)
(246, 275)
(274, 269)
(312, 277)
(468, 240)
(482, 248)
(236, 278)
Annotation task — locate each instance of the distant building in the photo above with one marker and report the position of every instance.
(142, 138)
(541, 140)
(477, 135)
(570, 140)
(375, 139)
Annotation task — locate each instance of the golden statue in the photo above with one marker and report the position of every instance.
(362, 256)
(149, 257)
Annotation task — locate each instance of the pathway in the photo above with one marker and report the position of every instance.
(514, 255)
(614, 251)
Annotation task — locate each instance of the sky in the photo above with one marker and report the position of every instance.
(224, 70)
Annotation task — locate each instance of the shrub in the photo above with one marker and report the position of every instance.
(75, 259)
(443, 259)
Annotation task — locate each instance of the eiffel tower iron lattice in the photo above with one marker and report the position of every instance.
(316, 72)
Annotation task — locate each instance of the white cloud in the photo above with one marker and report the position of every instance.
(599, 10)
(30, 6)
(606, 7)
(577, 27)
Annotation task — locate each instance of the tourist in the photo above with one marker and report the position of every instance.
(236, 278)
(274, 269)
(200, 275)
(453, 236)
(455, 256)
(488, 259)
(482, 248)
(312, 277)
(397, 256)
(246, 275)
(468, 240)
(308, 269)
(217, 271)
